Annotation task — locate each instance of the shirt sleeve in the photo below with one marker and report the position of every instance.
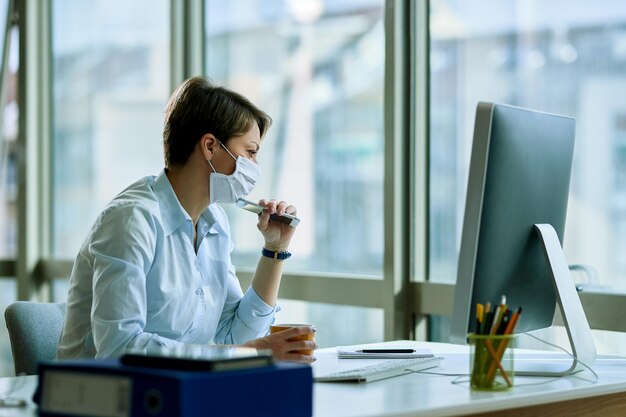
(245, 316)
(123, 250)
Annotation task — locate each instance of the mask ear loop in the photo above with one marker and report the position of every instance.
(226, 149)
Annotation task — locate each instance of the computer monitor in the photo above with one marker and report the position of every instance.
(514, 221)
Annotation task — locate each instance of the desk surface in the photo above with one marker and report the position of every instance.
(435, 395)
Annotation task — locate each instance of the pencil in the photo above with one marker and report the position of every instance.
(502, 347)
(479, 311)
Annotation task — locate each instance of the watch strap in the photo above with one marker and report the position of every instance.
(276, 255)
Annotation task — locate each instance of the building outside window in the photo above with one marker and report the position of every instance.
(317, 67)
(110, 82)
(558, 57)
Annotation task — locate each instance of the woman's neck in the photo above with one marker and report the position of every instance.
(191, 186)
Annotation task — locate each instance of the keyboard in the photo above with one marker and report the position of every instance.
(382, 370)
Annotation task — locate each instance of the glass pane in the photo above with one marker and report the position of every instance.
(517, 52)
(317, 68)
(336, 325)
(8, 140)
(8, 292)
(559, 57)
(111, 81)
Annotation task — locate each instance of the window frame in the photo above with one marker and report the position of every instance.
(34, 92)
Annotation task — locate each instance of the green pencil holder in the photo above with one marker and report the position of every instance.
(491, 361)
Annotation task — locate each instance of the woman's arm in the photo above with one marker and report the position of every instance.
(266, 280)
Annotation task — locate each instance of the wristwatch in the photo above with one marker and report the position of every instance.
(281, 256)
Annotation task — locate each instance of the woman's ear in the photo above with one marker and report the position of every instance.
(207, 144)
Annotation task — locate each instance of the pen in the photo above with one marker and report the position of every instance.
(497, 317)
(387, 351)
(504, 323)
(488, 323)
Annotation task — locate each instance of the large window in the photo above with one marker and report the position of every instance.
(317, 67)
(110, 81)
(559, 57)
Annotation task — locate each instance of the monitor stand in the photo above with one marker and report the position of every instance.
(574, 319)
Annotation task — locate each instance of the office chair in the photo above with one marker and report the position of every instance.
(34, 332)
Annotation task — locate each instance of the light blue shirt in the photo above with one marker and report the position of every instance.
(137, 280)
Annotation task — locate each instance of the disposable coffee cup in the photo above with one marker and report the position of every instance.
(275, 328)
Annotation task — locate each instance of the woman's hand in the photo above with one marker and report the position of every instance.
(277, 235)
(285, 349)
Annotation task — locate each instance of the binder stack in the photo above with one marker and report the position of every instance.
(108, 388)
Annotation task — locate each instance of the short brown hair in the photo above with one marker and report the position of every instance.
(198, 107)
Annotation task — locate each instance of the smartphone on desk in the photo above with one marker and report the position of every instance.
(286, 218)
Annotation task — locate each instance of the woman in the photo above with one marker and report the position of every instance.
(155, 269)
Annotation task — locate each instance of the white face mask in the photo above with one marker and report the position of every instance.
(228, 188)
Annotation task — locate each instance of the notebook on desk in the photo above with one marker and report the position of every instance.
(387, 352)
(375, 361)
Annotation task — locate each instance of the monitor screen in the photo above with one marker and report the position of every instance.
(519, 176)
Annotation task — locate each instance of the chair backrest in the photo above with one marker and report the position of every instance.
(34, 331)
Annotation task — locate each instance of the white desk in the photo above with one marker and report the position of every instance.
(434, 395)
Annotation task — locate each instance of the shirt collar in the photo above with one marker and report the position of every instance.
(208, 222)
(173, 213)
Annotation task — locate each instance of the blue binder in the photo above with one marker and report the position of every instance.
(105, 387)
